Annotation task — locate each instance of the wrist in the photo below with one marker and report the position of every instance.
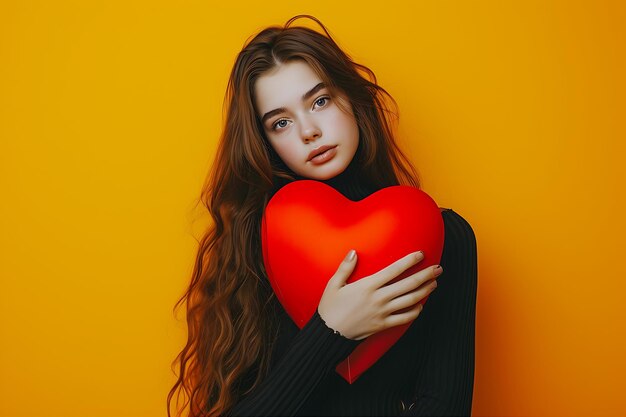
(335, 332)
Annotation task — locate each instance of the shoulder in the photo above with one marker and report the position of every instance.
(458, 231)
(459, 259)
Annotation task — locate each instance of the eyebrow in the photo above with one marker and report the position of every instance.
(305, 97)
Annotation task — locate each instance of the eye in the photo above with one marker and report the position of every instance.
(322, 101)
(280, 124)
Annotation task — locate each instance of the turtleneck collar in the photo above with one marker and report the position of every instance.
(349, 183)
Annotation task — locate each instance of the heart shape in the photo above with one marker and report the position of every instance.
(307, 229)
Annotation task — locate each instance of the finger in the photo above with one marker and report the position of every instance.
(345, 269)
(409, 299)
(388, 273)
(409, 283)
(403, 318)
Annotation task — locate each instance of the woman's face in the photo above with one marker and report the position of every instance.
(301, 119)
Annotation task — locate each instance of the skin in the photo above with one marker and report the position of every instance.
(305, 124)
(294, 126)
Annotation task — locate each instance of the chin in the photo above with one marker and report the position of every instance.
(324, 173)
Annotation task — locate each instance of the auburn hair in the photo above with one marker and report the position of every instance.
(230, 327)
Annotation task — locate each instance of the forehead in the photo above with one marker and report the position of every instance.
(284, 85)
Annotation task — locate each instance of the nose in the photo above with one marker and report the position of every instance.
(310, 131)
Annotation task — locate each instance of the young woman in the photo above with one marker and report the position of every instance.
(298, 107)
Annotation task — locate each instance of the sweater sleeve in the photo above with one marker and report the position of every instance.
(313, 352)
(445, 379)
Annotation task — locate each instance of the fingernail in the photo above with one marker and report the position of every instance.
(350, 255)
(420, 253)
(438, 270)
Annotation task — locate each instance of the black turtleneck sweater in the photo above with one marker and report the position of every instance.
(428, 371)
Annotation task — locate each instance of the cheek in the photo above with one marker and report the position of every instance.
(286, 149)
(346, 126)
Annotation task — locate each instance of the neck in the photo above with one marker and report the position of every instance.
(349, 183)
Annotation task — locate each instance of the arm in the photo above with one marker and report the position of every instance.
(444, 385)
(314, 351)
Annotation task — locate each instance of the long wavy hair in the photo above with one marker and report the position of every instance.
(229, 319)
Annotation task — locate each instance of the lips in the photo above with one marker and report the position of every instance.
(319, 150)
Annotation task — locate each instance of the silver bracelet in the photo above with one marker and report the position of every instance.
(337, 332)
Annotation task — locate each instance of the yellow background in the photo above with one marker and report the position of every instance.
(513, 113)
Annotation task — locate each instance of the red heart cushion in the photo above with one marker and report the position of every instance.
(308, 228)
